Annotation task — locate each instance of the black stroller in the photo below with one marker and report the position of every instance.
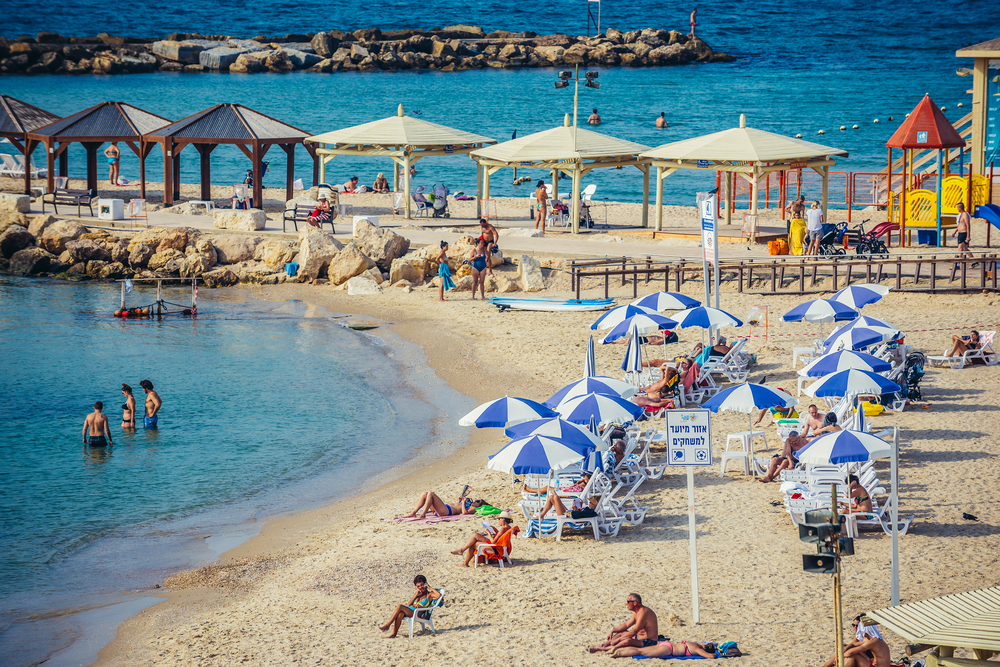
(832, 241)
(908, 380)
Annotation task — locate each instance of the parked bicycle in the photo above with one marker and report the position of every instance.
(870, 245)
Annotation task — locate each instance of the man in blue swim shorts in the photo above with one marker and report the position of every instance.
(639, 630)
(95, 428)
(153, 404)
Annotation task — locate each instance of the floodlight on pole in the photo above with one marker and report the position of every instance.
(589, 82)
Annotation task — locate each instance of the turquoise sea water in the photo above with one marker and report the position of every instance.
(801, 69)
(267, 407)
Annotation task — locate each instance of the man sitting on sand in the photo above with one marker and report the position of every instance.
(865, 650)
(667, 649)
(97, 425)
(786, 460)
(640, 630)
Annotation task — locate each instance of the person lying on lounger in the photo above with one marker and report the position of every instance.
(640, 630)
(786, 460)
(576, 488)
(579, 511)
(431, 502)
(777, 412)
(666, 649)
(867, 649)
(718, 350)
(962, 344)
(496, 532)
(423, 598)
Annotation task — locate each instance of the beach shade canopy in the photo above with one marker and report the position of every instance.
(854, 338)
(93, 127)
(225, 124)
(401, 138)
(17, 119)
(926, 127)
(590, 365)
(617, 315)
(860, 295)
(566, 150)
(660, 301)
(639, 325)
(602, 407)
(591, 385)
(851, 382)
(820, 310)
(844, 447)
(748, 397)
(743, 150)
(845, 360)
(632, 363)
(560, 429)
(706, 318)
(506, 411)
(537, 455)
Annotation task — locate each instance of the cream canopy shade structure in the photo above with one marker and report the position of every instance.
(402, 138)
(554, 150)
(743, 150)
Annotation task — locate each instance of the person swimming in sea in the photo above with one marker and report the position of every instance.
(96, 432)
(128, 408)
(153, 404)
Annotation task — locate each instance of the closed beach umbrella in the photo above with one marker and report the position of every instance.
(588, 385)
(505, 411)
(860, 295)
(537, 454)
(854, 338)
(660, 301)
(844, 447)
(602, 407)
(590, 367)
(820, 310)
(642, 323)
(632, 363)
(749, 397)
(706, 318)
(617, 315)
(851, 381)
(559, 429)
(843, 360)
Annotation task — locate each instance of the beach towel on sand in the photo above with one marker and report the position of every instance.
(430, 518)
(672, 657)
(536, 528)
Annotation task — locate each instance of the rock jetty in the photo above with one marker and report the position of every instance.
(458, 47)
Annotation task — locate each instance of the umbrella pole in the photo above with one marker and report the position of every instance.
(752, 463)
(838, 617)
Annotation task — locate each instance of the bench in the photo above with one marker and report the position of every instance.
(67, 197)
(301, 213)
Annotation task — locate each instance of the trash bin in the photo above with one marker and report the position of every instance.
(796, 236)
(927, 237)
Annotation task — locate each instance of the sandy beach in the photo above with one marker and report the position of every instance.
(312, 588)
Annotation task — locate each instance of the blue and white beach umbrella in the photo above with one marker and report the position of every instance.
(590, 366)
(851, 382)
(596, 385)
(559, 429)
(706, 318)
(844, 447)
(885, 330)
(602, 407)
(632, 363)
(643, 323)
(860, 295)
(505, 411)
(820, 310)
(843, 360)
(617, 315)
(537, 454)
(853, 338)
(749, 397)
(660, 301)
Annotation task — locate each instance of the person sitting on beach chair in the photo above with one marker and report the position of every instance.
(422, 599)
(667, 649)
(814, 419)
(962, 344)
(661, 393)
(867, 649)
(640, 630)
(554, 502)
(860, 500)
(431, 502)
(786, 460)
(719, 350)
(506, 520)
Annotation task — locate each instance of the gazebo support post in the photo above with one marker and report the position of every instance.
(168, 187)
(28, 148)
(939, 198)
(730, 176)
(395, 176)
(555, 184)
(50, 163)
(486, 184)
(406, 182)
(754, 197)
(644, 168)
(256, 156)
(91, 148)
(143, 152)
(176, 170)
(824, 173)
(479, 190)
(575, 211)
(659, 199)
(205, 150)
(322, 167)
(290, 170)
(63, 163)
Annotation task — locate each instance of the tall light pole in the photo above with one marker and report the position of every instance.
(589, 81)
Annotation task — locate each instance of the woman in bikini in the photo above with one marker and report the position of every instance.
(861, 502)
(128, 408)
(962, 344)
(114, 158)
(422, 599)
(444, 271)
(477, 261)
(665, 649)
(431, 502)
(541, 204)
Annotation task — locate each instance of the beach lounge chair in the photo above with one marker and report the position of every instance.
(425, 616)
(35, 172)
(985, 352)
(10, 166)
(733, 365)
(879, 517)
(502, 547)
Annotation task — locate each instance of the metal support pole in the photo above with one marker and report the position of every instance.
(838, 614)
(938, 216)
(123, 295)
(692, 536)
(159, 297)
(894, 514)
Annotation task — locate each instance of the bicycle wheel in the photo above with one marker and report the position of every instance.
(879, 248)
(863, 249)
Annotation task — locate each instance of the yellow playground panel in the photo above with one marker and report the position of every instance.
(921, 205)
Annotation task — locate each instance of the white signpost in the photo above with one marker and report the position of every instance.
(689, 443)
(709, 241)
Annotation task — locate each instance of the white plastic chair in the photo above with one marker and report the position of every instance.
(11, 166)
(35, 171)
(985, 352)
(241, 196)
(425, 616)
(555, 217)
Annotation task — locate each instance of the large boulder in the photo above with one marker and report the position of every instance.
(412, 269)
(249, 63)
(30, 261)
(39, 223)
(56, 235)
(221, 277)
(301, 59)
(168, 261)
(316, 249)
(279, 61)
(347, 263)
(139, 255)
(118, 249)
(184, 52)
(323, 44)
(94, 268)
(14, 203)
(176, 239)
(204, 248)
(252, 272)
(150, 237)
(251, 220)
(84, 250)
(233, 248)
(194, 265)
(110, 271)
(382, 245)
(362, 286)
(530, 274)
(274, 253)
(13, 239)
(219, 58)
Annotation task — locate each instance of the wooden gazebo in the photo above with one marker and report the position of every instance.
(17, 119)
(93, 127)
(234, 124)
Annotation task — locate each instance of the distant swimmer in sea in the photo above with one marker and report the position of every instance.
(694, 20)
(595, 118)
(153, 404)
(95, 428)
(114, 161)
(661, 122)
(128, 408)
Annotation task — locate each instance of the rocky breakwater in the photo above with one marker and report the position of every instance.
(458, 47)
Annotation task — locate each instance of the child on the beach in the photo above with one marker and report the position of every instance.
(444, 272)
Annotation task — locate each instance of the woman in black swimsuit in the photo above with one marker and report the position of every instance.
(128, 408)
(478, 263)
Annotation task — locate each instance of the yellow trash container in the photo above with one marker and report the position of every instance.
(797, 235)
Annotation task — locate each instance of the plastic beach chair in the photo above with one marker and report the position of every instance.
(985, 352)
(502, 548)
(425, 616)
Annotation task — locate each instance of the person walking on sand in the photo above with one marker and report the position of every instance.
(694, 21)
(95, 428)
(422, 599)
(541, 204)
(153, 404)
(595, 118)
(814, 224)
(639, 630)
(661, 122)
(128, 409)
(444, 272)
(963, 225)
(114, 158)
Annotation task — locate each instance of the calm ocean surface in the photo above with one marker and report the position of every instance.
(802, 68)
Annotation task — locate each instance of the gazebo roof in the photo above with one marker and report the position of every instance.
(400, 131)
(17, 117)
(927, 123)
(107, 121)
(229, 123)
(742, 144)
(988, 49)
(964, 620)
(557, 145)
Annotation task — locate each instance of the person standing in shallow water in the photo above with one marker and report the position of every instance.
(661, 122)
(95, 428)
(153, 404)
(128, 408)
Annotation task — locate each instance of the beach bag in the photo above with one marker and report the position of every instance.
(782, 247)
(729, 650)
(773, 248)
(487, 510)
